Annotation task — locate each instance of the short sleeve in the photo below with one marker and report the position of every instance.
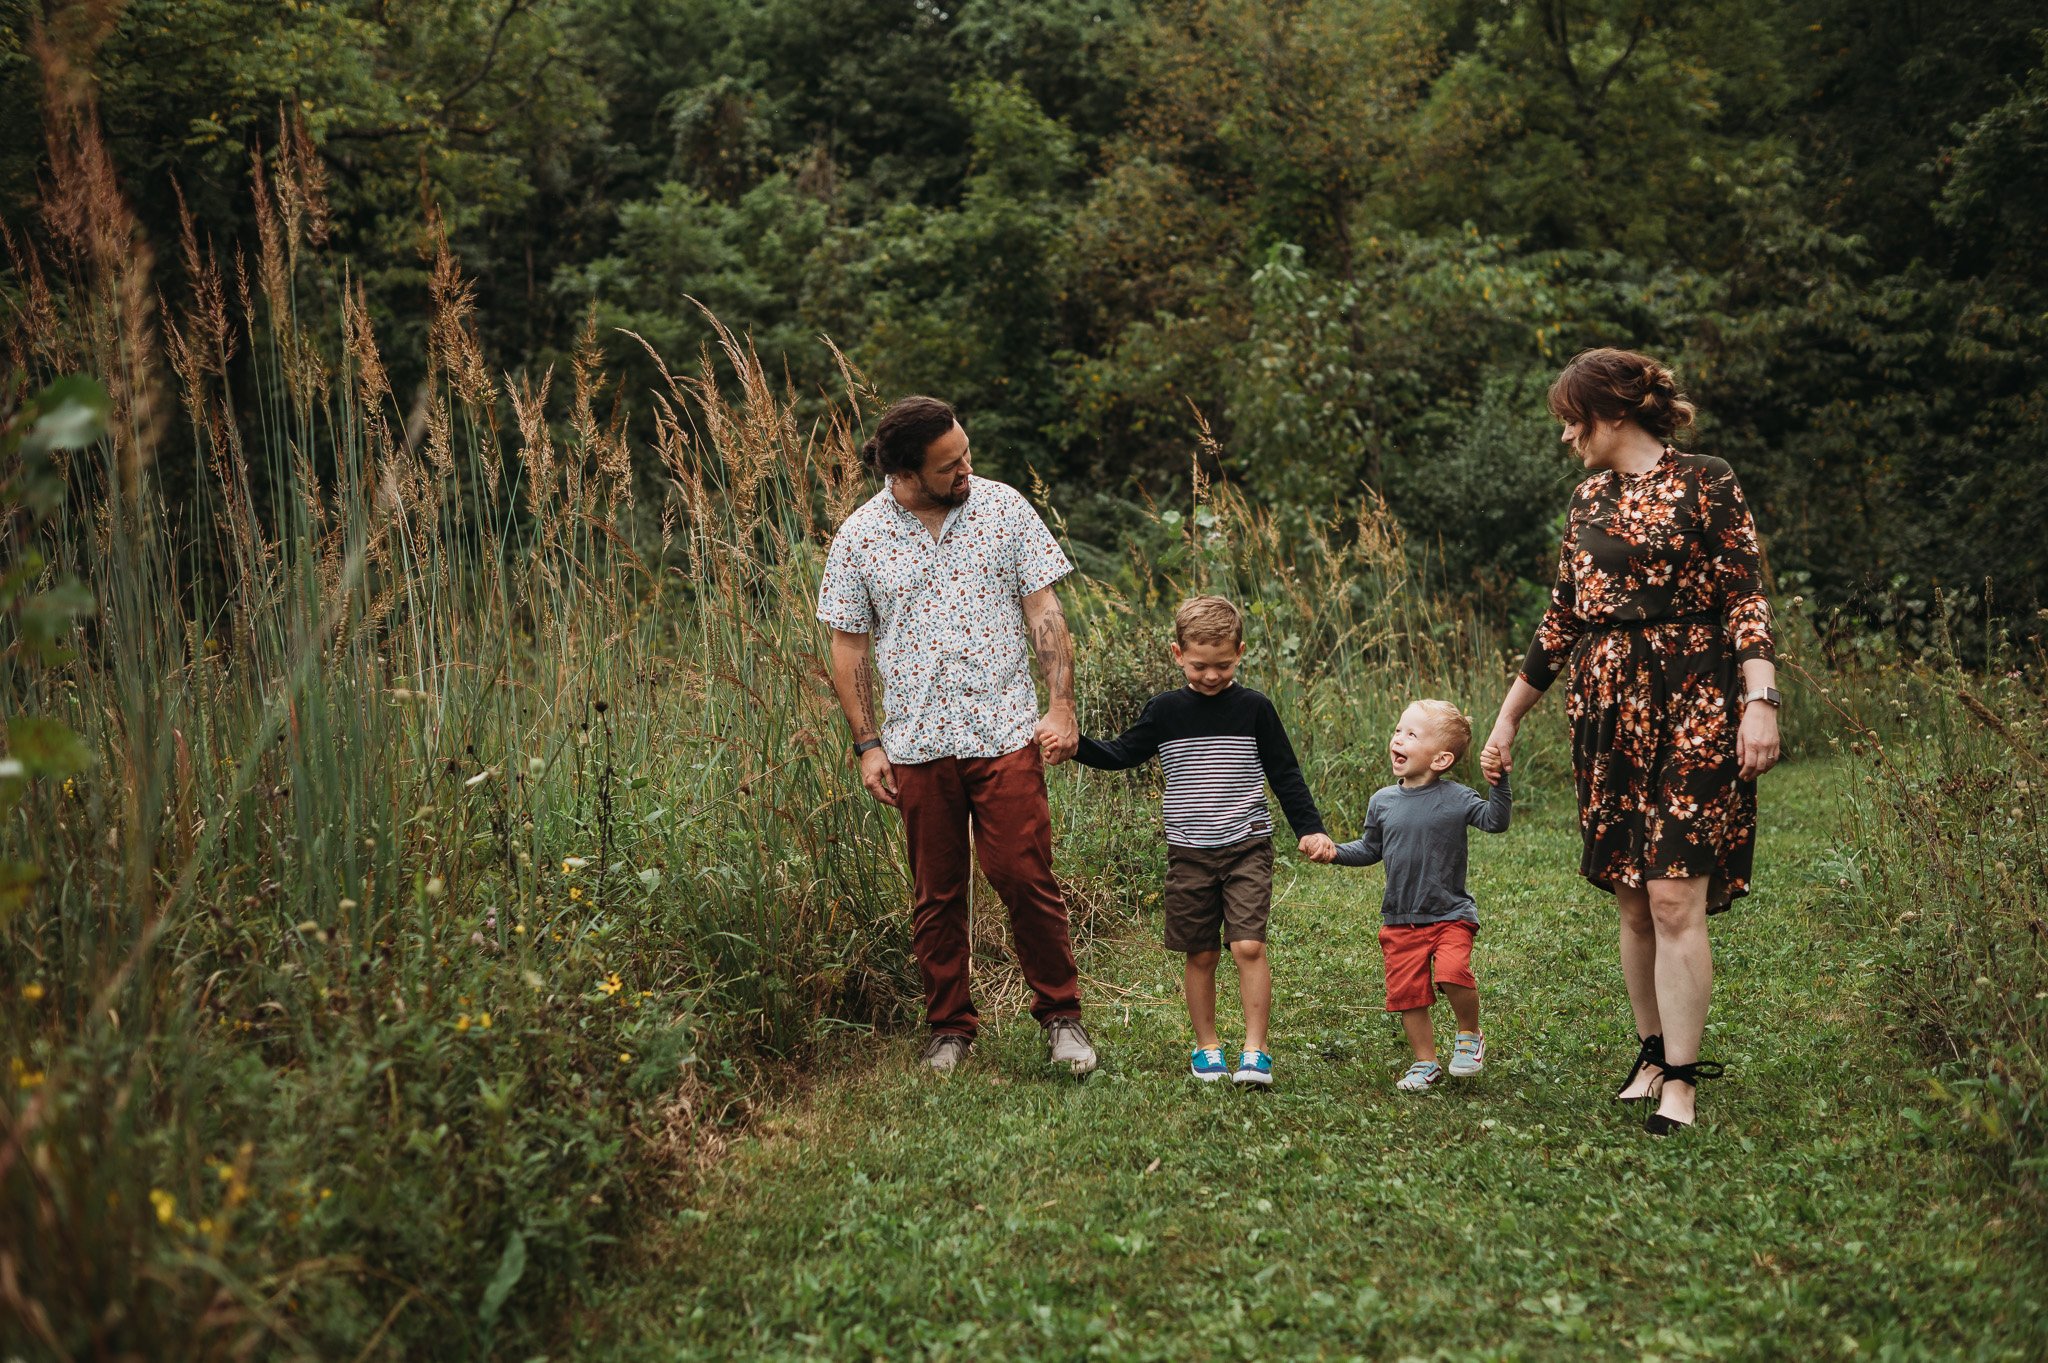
(1040, 561)
(843, 601)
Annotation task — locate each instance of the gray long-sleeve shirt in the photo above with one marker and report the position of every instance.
(1420, 833)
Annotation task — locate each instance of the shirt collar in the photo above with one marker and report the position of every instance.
(906, 520)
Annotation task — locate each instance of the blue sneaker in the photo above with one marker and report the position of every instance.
(1422, 1076)
(1207, 1064)
(1254, 1067)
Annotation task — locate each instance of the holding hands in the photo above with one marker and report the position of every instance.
(1500, 754)
(1493, 761)
(1058, 735)
(1318, 847)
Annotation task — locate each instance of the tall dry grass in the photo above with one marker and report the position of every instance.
(449, 857)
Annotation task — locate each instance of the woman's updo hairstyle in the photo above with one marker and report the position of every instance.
(1609, 385)
(904, 433)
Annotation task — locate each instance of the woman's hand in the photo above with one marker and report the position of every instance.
(1756, 742)
(1497, 758)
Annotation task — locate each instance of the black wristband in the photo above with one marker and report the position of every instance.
(860, 749)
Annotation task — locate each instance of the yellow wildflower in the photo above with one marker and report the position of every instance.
(611, 984)
(166, 1206)
(326, 1193)
(625, 1057)
(484, 1021)
(462, 1023)
(32, 992)
(575, 892)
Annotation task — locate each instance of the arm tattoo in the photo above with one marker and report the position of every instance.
(864, 687)
(1055, 649)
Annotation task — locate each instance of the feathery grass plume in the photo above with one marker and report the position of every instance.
(452, 346)
(303, 174)
(36, 340)
(101, 243)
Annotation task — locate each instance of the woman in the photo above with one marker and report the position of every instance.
(1659, 608)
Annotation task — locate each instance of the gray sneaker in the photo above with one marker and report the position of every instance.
(943, 1054)
(1067, 1043)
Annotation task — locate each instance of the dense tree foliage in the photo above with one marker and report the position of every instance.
(1357, 237)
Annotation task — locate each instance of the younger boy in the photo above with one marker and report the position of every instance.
(1220, 744)
(1417, 826)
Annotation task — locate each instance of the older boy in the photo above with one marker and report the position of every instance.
(1220, 744)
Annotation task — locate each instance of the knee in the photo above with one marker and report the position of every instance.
(1677, 907)
(1248, 952)
(1636, 917)
(1204, 960)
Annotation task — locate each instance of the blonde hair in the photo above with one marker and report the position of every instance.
(1207, 620)
(1450, 724)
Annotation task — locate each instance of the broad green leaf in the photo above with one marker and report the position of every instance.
(45, 747)
(47, 617)
(511, 1266)
(74, 413)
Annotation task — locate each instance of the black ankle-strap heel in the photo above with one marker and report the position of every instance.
(1650, 1053)
(1657, 1124)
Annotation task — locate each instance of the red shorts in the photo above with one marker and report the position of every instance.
(1411, 949)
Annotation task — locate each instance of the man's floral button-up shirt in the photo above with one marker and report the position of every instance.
(946, 617)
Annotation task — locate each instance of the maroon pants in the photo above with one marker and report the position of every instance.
(1013, 838)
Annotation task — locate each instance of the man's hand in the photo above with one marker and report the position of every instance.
(878, 776)
(1058, 735)
(1318, 847)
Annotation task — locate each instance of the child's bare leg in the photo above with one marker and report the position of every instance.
(1421, 1035)
(1198, 982)
(1255, 990)
(1464, 1005)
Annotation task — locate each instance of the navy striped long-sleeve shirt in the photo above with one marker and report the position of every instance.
(1219, 753)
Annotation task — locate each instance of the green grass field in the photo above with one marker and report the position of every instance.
(1006, 1213)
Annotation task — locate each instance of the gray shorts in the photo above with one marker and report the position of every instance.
(1216, 895)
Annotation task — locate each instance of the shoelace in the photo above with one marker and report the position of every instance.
(1210, 1053)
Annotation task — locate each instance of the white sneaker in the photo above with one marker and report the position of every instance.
(1468, 1055)
(1067, 1043)
(944, 1053)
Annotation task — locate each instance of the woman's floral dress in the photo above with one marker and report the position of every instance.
(1659, 600)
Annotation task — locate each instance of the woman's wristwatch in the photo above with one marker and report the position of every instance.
(1768, 695)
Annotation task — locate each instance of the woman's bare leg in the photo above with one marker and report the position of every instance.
(1639, 972)
(1685, 980)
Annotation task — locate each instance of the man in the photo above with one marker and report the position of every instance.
(942, 573)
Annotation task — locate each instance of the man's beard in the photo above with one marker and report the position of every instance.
(945, 496)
